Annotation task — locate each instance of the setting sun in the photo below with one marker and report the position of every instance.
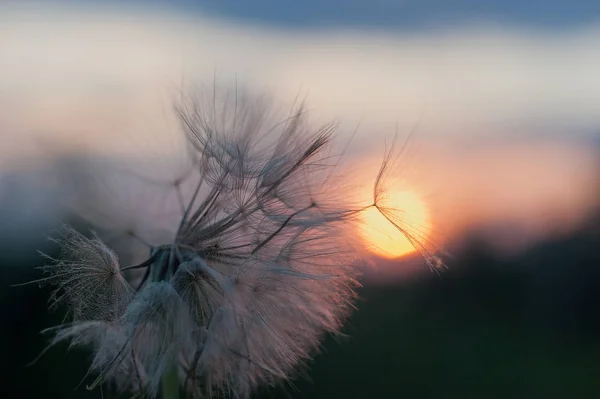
(383, 238)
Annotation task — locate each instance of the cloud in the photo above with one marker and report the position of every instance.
(470, 79)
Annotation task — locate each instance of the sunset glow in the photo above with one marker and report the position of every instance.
(383, 238)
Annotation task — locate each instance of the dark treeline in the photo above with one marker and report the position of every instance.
(524, 327)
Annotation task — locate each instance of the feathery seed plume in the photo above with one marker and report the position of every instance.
(257, 272)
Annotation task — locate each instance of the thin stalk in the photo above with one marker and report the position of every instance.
(170, 384)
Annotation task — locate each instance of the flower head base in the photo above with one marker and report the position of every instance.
(257, 272)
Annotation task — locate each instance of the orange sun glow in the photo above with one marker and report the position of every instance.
(383, 238)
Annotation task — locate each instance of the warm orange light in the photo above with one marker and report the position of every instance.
(383, 238)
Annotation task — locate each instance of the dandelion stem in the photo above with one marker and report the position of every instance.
(170, 384)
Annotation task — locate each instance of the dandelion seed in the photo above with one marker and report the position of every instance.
(258, 270)
(87, 278)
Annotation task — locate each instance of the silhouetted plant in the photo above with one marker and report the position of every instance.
(260, 266)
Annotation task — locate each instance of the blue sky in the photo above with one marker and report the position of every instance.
(397, 14)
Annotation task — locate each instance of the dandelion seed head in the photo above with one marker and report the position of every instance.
(257, 272)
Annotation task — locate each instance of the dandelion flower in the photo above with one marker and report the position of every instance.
(257, 272)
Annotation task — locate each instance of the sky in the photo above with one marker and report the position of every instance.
(504, 95)
(399, 15)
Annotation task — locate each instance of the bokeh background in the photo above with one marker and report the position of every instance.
(504, 100)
